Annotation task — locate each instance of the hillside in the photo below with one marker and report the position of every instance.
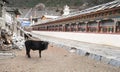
(55, 3)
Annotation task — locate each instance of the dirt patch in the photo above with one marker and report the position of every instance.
(53, 59)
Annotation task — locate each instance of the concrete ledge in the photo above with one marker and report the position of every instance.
(114, 62)
(81, 52)
(5, 55)
(105, 60)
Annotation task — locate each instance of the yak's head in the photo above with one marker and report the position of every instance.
(45, 43)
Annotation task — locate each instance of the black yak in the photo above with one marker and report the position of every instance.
(35, 45)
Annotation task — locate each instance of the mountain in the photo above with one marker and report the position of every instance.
(55, 3)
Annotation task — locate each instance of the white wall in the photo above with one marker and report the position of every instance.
(106, 39)
(8, 18)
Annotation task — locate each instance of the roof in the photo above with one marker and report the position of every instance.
(108, 5)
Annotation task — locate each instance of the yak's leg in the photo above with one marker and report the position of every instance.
(40, 53)
(28, 53)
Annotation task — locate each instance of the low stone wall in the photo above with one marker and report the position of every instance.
(6, 55)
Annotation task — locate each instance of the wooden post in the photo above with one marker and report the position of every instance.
(64, 28)
(70, 27)
(86, 28)
(98, 25)
(115, 23)
(77, 26)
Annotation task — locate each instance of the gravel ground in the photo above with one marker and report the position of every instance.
(54, 59)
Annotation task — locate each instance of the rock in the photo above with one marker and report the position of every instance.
(18, 42)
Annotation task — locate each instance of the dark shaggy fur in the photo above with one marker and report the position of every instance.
(35, 45)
